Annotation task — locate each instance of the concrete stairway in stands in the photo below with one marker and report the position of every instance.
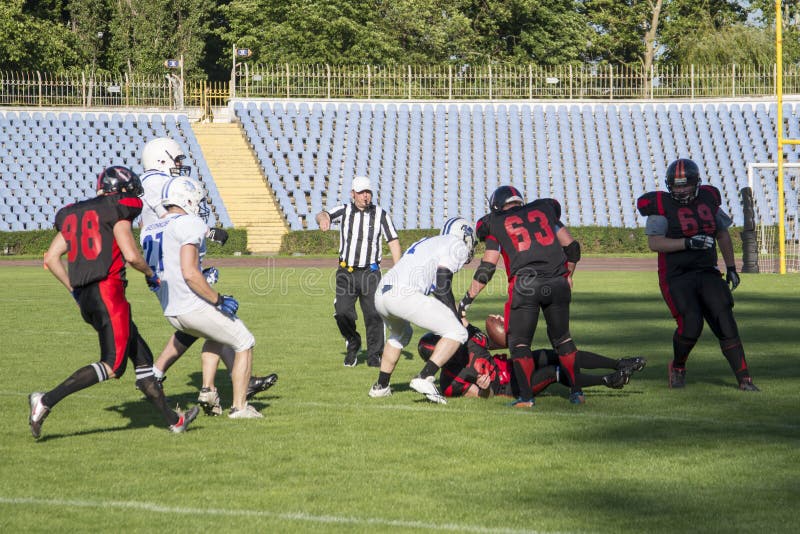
(247, 197)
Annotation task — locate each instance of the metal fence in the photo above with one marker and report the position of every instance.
(443, 82)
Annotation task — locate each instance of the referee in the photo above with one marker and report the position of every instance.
(359, 272)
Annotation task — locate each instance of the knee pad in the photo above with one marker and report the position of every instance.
(564, 344)
(520, 351)
(402, 339)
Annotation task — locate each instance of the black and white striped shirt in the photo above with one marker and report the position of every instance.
(360, 234)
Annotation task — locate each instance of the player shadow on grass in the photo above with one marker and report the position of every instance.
(139, 413)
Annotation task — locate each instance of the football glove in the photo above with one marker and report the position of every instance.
(699, 242)
(212, 275)
(464, 305)
(153, 282)
(732, 277)
(218, 235)
(227, 305)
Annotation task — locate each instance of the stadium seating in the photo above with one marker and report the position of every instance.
(428, 161)
(433, 160)
(50, 159)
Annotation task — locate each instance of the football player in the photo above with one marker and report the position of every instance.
(685, 225)
(163, 159)
(475, 372)
(540, 257)
(97, 238)
(427, 267)
(175, 244)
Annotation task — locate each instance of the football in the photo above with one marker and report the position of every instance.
(496, 331)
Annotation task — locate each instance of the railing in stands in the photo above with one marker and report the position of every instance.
(419, 82)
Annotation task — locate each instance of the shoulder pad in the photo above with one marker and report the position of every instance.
(129, 207)
(482, 228)
(710, 192)
(651, 203)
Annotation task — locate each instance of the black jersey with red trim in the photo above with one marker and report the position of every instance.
(526, 237)
(88, 228)
(685, 220)
(471, 360)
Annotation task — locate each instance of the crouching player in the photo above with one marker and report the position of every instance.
(474, 372)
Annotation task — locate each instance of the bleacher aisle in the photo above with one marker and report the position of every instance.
(249, 201)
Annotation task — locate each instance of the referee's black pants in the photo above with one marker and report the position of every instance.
(360, 284)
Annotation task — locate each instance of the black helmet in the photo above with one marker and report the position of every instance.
(682, 172)
(502, 196)
(426, 345)
(118, 179)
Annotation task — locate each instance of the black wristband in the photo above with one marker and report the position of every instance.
(219, 299)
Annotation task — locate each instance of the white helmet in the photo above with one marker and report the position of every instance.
(460, 228)
(187, 194)
(165, 154)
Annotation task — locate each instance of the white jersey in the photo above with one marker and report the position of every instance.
(162, 242)
(152, 182)
(418, 265)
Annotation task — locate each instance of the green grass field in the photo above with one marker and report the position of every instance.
(328, 458)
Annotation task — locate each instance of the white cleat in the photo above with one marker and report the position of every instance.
(427, 387)
(377, 391)
(248, 412)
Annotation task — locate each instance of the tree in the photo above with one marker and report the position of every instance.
(144, 33)
(29, 43)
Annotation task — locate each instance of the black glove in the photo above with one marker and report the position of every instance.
(218, 235)
(464, 305)
(699, 242)
(732, 277)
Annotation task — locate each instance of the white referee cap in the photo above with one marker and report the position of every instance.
(361, 183)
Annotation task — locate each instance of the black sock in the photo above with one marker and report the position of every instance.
(430, 369)
(383, 379)
(149, 386)
(80, 379)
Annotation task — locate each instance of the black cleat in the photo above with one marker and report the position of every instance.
(616, 380)
(677, 377)
(632, 364)
(746, 384)
(260, 383)
(353, 346)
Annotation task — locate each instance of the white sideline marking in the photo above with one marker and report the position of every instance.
(294, 516)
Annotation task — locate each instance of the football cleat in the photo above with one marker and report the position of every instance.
(523, 403)
(248, 412)
(632, 364)
(577, 397)
(677, 377)
(185, 420)
(353, 346)
(427, 387)
(746, 384)
(617, 379)
(209, 401)
(39, 413)
(377, 391)
(258, 384)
